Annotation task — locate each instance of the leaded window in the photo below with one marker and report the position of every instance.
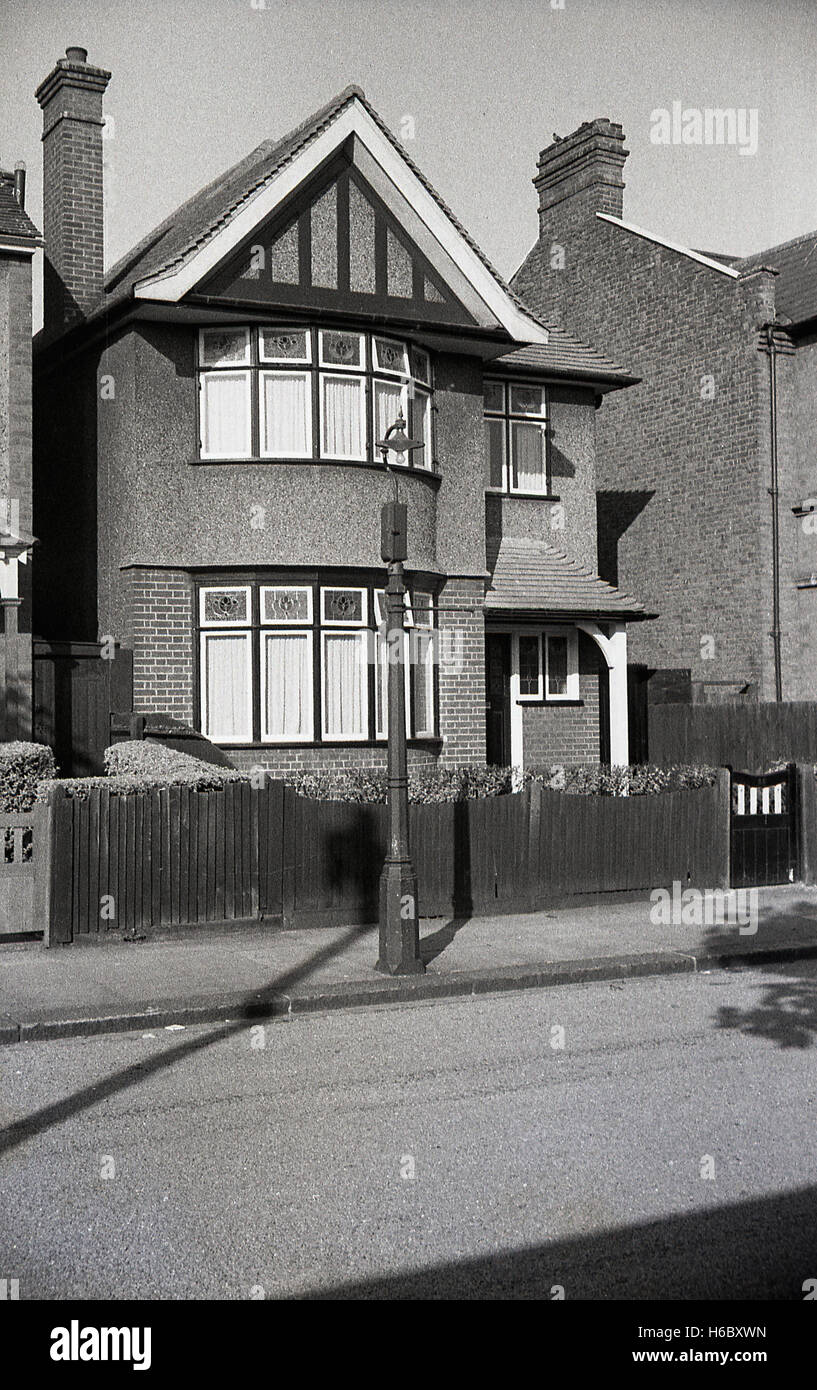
(516, 439)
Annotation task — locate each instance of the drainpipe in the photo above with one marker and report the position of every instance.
(773, 493)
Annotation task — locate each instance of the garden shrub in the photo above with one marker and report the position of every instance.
(476, 781)
(23, 768)
(136, 766)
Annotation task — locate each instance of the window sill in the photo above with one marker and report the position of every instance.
(432, 743)
(549, 704)
(428, 474)
(523, 496)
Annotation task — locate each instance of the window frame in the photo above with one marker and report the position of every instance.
(256, 366)
(573, 690)
(509, 417)
(421, 615)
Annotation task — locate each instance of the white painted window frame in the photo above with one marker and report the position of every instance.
(216, 735)
(361, 636)
(306, 376)
(289, 589)
(280, 629)
(343, 375)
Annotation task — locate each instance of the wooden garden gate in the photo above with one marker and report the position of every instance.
(763, 828)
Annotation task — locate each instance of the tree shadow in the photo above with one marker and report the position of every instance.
(785, 1012)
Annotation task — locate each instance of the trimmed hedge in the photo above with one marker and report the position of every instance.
(443, 784)
(475, 781)
(136, 766)
(24, 767)
(593, 779)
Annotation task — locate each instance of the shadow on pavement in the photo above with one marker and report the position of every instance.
(760, 1249)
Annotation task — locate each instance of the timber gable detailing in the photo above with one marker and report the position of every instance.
(337, 246)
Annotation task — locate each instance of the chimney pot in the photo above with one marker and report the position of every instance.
(582, 172)
(20, 182)
(76, 55)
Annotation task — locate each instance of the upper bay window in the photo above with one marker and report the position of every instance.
(296, 393)
(516, 443)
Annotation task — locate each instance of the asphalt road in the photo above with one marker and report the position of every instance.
(452, 1149)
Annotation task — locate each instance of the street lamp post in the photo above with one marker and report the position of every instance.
(399, 952)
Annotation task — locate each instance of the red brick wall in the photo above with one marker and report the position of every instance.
(71, 98)
(567, 733)
(160, 630)
(681, 478)
(461, 680)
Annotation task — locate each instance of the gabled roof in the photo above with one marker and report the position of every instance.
(15, 223)
(530, 576)
(795, 288)
(188, 245)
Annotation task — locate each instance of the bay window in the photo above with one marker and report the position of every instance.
(307, 662)
(516, 449)
(293, 393)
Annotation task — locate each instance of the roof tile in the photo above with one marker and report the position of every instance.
(532, 575)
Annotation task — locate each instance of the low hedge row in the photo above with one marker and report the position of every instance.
(24, 768)
(476, 781)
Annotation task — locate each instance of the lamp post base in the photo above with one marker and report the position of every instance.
(399, 926)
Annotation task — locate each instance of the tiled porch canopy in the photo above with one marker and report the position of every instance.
(531, 576)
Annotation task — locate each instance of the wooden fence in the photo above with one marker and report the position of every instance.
(19, 845)
(176, 857)
(745, 736)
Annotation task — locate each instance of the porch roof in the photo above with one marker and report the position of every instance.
(529, 576)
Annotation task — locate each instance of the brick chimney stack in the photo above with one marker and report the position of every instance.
(582, 172)
(71, 100)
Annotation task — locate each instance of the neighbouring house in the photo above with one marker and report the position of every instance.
(707, 470)
(19, 239)
(208, 482)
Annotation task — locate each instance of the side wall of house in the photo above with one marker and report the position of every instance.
(681, 459)
(797, 446)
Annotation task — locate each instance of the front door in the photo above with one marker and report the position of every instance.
(498, 690)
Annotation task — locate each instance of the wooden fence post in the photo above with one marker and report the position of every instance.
(534, 821)
(54, 865)
(807, 826)
(724, 788)
(289, 814)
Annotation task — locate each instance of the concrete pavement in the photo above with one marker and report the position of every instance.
(256, 973)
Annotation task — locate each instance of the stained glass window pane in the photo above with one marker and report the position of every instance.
(224, 347)
(529, 665)
(527, 400)
(286, 605)
(342, 349)
(285, 345)
(344, 606)
(390, 356)
(225, 606)
(557, 665)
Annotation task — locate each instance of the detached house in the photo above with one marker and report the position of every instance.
(208, 479)
(707, 469)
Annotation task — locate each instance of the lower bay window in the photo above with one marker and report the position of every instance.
(307, 662)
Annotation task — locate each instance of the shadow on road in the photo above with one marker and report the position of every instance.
(785, 1011)
(255, 1007)
(759, 1249)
